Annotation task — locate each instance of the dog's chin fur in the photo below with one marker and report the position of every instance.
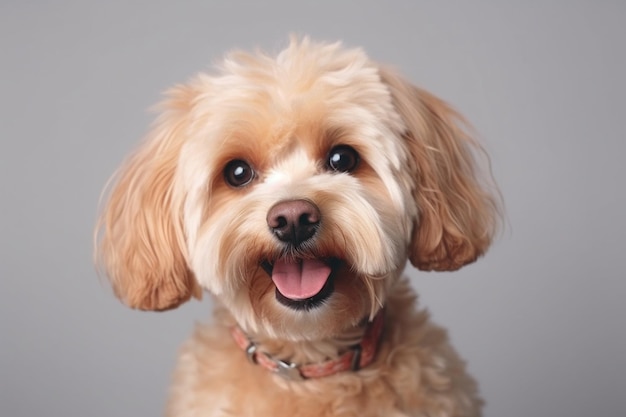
(174, 225)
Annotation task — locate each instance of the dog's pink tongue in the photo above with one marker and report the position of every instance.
(302, 279)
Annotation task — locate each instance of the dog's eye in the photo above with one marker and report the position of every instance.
(343, 158)
(238, 173)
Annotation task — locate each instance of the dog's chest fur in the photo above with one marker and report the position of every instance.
(416, 373)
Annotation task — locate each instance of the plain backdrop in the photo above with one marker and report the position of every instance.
(540, 319)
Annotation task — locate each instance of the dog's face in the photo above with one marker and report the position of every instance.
(294, 189)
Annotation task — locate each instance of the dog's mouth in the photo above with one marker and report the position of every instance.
(302, 284)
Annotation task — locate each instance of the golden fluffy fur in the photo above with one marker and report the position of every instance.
(175, 223)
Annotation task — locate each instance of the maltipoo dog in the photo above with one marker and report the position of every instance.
(294, 188)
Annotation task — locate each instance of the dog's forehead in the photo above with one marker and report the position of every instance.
(303, 85)
(279, 121)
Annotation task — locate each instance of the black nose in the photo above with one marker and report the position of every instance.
(294, 221)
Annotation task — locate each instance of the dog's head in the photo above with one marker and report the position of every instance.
(294, 188)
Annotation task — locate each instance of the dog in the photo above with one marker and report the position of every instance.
(294, 188)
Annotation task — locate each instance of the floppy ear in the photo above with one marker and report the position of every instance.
(139, 235)
(457, 213)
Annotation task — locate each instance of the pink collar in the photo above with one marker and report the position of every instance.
(359, 355)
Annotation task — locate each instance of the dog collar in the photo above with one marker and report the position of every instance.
(359, 355)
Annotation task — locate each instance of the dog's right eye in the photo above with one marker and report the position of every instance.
(238, 173)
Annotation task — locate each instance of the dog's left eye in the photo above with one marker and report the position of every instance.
(238, 173)
(343, 158)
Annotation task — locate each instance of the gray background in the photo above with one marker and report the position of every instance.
(540, 319)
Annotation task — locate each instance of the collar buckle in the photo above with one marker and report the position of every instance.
(288, 370)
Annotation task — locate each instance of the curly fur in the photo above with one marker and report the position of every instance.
(172, 226)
